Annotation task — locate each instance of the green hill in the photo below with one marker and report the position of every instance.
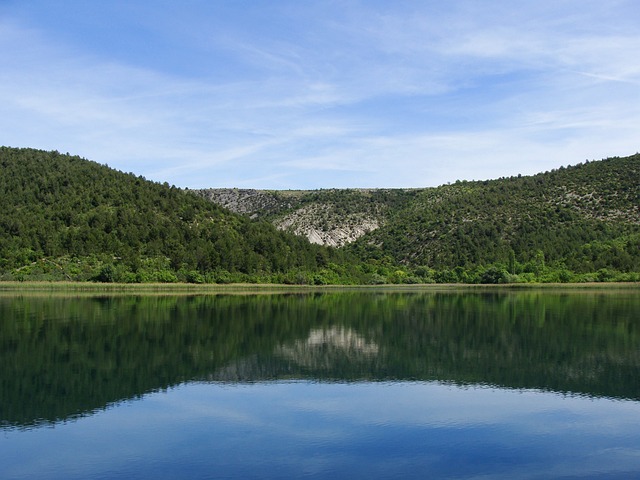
(64, 217)
(575, 223)
(583, 218)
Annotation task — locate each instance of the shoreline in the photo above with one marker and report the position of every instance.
(13, 288)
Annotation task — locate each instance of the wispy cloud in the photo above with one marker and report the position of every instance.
(326, 94)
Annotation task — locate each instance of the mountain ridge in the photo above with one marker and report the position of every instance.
(67, 218)
(446, 226)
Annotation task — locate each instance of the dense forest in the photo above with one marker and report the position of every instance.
(578, 223)
(67, 218)
(574, 220)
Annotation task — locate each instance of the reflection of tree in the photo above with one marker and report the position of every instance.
(61, 357)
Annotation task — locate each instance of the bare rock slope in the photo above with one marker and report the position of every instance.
(326, 217)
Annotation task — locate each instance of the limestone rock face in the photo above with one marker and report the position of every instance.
(246, 201)
(325, 217)
(321, 226)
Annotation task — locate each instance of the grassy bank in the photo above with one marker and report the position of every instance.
(189, 288)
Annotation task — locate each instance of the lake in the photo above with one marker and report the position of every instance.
(353, 384)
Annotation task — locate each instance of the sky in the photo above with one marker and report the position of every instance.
(307, 94)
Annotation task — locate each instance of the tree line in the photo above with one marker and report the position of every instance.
(68, 218)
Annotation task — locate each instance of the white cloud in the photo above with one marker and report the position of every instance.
(338, 95)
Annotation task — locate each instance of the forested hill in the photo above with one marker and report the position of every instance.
(585, 218)
(66, 217)
(581, 219)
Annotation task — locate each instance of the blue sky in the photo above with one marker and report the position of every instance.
(322, 94)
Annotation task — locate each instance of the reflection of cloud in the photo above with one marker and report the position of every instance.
(364, 430)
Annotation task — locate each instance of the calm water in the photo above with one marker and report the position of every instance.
(332, 385)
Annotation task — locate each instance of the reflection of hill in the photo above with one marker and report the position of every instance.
(323, 348)
(61, 357)
(334, 353)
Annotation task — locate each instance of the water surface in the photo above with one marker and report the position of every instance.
(445, 385)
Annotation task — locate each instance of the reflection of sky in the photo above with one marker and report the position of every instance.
(284, 430)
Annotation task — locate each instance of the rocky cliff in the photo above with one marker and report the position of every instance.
(327, 217)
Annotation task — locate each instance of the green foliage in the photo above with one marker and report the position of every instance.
(66, 218)
(123, 228)
(578, 219)
(494, 275)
